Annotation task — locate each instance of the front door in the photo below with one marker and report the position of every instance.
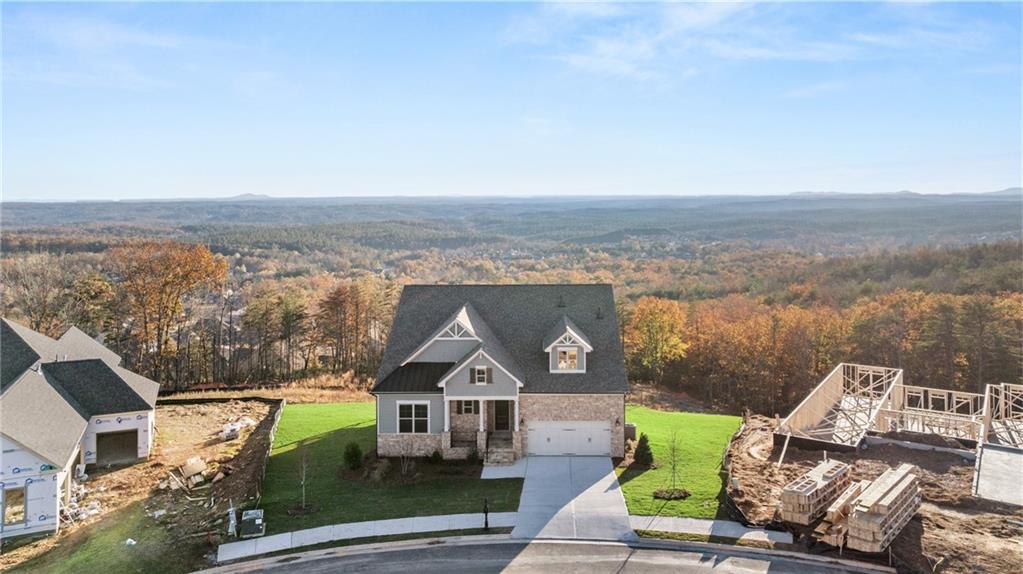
(501, 416)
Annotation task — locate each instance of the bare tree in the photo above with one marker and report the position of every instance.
(406, 448)
(674, 457)
(38, 286)
(303, 470)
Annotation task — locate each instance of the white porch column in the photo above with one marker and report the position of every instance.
(483, 415)
(516, 414)
(447, 415)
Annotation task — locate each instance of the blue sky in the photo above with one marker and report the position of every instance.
(190, 100)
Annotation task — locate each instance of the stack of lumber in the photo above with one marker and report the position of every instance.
(883, 509)
(807, 498)
(832, 529)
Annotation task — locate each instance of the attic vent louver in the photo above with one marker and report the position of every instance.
(561, 300)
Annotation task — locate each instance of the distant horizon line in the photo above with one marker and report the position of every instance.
(256, 197)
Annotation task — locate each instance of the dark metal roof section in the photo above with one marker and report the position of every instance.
(518, 317)
(414, 378)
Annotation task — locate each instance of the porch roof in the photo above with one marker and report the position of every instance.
(414, 378)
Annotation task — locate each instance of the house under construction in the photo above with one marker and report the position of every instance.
(856, 400)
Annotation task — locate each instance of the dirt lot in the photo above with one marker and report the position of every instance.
(182, 431)
(961, 532)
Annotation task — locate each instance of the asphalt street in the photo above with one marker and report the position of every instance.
(547, 556)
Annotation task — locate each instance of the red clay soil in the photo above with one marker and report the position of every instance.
(961, 532)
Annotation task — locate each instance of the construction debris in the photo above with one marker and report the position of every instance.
(807, 498)
(192, 467)
(882, 509)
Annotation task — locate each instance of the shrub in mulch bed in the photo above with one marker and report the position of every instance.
(671, 493)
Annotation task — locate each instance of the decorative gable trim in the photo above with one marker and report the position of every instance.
(570, 337)
(475, 356)
(454, 331)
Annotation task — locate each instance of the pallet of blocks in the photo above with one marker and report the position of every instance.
(883, 509)
(807, 498)
(833, 528)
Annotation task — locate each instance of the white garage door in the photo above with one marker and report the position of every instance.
(583, 438)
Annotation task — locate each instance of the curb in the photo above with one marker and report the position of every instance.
(475, 540)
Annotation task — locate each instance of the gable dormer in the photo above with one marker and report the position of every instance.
(451, 341)
(567, 347)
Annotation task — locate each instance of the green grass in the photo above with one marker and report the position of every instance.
(101, 548)
(703, 439)
(325, 429)
(710, 538)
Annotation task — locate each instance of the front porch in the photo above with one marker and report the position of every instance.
(488, 426)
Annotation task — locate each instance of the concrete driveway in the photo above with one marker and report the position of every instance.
(569, 497)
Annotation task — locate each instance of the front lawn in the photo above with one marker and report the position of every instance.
(325, 429)
(703, 439)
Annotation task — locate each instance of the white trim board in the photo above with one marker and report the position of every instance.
(397, 416)
(470, 357)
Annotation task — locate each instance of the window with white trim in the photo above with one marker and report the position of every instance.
(467, 408)
(568, 359)
(413, 418)
(481, 375)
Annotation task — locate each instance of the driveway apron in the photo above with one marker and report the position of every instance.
(572, 497)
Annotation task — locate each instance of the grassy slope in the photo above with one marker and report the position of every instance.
(325, 429)
(101, 548)
(703, 439)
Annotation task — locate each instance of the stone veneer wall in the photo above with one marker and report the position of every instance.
(463, 423)
(549, 407)
(390, 444)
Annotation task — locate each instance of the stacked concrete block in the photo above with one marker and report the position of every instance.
(808, 497)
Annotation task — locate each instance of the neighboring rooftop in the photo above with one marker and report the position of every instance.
(49, 388)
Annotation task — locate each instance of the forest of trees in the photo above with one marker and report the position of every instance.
(734, 327)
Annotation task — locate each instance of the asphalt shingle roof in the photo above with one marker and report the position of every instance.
(93, 388)
(46, 407)
(563, 325)
(518, 317)
(34, 414)
(16, 355)
(414, 378)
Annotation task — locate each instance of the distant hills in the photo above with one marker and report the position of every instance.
(1009, 191)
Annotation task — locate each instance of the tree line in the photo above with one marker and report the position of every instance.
(184, 315)
(740, 352)
(175, 313)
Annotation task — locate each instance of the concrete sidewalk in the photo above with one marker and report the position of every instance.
(701, 526)
(332, 533)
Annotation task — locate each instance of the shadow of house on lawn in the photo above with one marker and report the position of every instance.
(354, 496)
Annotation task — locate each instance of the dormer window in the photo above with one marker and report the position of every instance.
(568, 359)
(568, 347)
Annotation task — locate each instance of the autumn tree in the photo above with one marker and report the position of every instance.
(38, 287)
(653, 337)
(156, 277)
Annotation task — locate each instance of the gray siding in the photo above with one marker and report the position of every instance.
(501, 386)
(445, 351)
(387, 410)
(580, 352)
